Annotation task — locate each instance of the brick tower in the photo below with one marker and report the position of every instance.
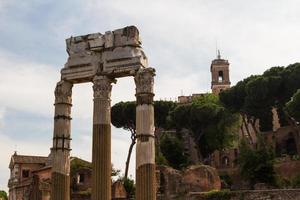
(220, 75)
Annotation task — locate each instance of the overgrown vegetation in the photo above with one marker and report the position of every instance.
(172, 152)
(255, 96)
(124, 116)
(217, 195)
(213, 122)
(295, 182)
(129, 186)
(226, 180)
(77, 163)
(257, 164)
(293, 106)
(212, 125)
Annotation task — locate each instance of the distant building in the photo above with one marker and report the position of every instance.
(285, 139)
(219, 75)
(30, 179)
(220, 79)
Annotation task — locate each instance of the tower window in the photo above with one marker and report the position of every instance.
(220, 76)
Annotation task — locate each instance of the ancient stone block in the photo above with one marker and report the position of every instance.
(198, 178)
(118, 190)
(109, 39)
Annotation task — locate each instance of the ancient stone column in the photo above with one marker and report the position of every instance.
(145, 148)
(101, 158)
(60, 187)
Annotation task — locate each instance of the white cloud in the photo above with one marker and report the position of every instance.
(26, 86)
(178, 37)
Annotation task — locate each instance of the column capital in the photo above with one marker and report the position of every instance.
(63, 92)
(144, 81)
(102, 87)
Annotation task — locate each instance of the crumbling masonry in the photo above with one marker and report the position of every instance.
(100, 59)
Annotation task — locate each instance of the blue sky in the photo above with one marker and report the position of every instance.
(179, 38)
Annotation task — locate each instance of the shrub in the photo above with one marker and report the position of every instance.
(257, 165)
(218, 195)
(226, 179)
(296, 181)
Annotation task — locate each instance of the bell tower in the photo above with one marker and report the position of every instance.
(219, 74)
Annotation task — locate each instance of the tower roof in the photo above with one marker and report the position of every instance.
(219, 60)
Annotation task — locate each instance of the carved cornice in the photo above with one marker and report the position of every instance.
(63, 92)
(102, 87)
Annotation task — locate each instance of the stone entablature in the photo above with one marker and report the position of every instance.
(116, 53)
(100, 59)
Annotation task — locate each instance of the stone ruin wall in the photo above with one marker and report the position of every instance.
(288, 194)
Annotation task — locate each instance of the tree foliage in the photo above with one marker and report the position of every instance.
(129, 186)
(162, 110)
(255, 96)
(212, 125)
(293, 106)
(3, 195)
(257, 165)
(173, 152)
(123, 115)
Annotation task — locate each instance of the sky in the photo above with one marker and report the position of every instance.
(179, 38)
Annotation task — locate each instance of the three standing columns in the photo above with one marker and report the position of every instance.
(145, 149)
(101, 155)
(61, 142)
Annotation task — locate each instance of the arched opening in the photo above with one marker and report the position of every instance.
(225, 161)
(220, 76)
(291, 148)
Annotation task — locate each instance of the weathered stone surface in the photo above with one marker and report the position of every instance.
(118, 190)
(285, 194)
(116, 53)
(198, 178)
(145, 147)
(201, 178)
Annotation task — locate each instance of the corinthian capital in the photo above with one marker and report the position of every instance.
(63, 92)
(144, 81)
(102, 87)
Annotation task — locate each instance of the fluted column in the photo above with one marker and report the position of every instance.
(60, 187)
(145, 148)
(101, 177)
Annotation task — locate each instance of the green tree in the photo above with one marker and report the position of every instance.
(162, 110)
(123, 116)
(255, 96)
(293, 106)
(172, 149)
(234, 100)
(257, 165)
(3, 195)
(212, 125)
(129, 186)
